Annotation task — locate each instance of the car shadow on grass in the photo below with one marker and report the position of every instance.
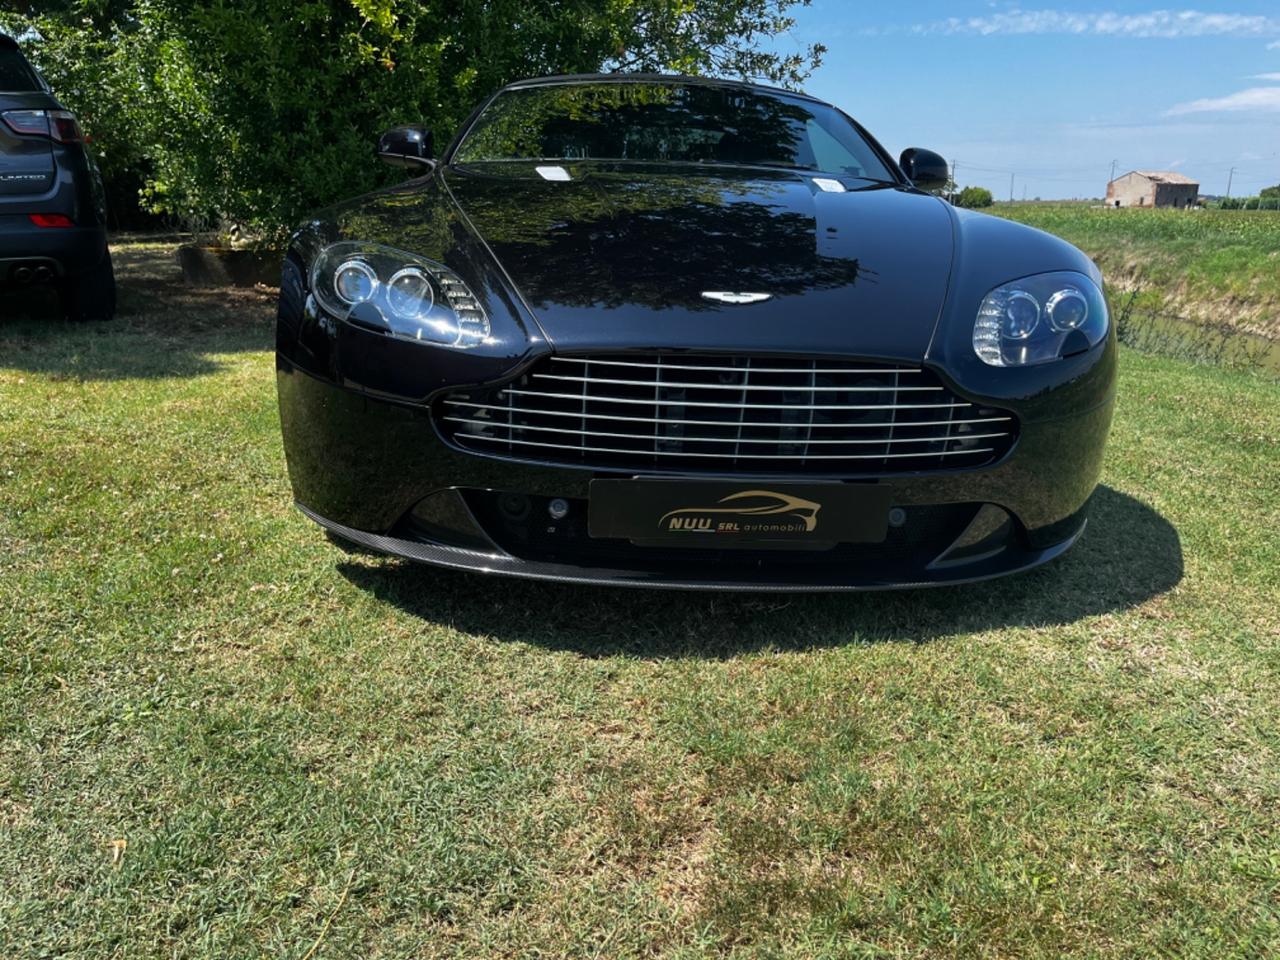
(163, 326)
(1128, 555)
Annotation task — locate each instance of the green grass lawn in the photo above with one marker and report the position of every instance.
(314, 754)
(1218, 266)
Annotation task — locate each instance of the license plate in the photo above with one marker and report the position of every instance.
(718, 514)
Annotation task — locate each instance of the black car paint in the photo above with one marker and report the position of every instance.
(616, 259)
(69, 184)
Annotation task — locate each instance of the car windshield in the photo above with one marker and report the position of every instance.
(16, 75)
(660, 122)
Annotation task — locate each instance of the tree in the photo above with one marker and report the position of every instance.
(75, 52)
(1269, 193)
(715, 37)
(973, 197)
(252, 112)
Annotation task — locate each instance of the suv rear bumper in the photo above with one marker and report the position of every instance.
(68, 251)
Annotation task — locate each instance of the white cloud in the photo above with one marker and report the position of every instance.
(1272, 77)
(1253, 100)
(1274, 46)
(1157, 23)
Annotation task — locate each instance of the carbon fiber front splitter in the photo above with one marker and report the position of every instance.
(668, 572)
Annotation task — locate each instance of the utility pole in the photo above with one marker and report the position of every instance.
(1113, 171)
(954, 185)
(1011, 188)
(1230, 176)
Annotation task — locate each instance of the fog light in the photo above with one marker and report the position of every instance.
(558, 509)
(514, 506)
(897, 517)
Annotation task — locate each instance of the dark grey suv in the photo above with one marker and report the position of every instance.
(52, 206)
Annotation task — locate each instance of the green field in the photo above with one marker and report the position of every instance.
(1210, 266)
(314, 754)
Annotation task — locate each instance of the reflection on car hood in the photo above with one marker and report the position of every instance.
(620, 256)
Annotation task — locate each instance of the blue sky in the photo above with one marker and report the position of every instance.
(1054, 93)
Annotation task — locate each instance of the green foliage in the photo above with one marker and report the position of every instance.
(974, 197)
(252, 113)
(1264, 201)
(89, 73)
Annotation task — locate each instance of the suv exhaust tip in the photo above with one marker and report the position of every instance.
(26, 272)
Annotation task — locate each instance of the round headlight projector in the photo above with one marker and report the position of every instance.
(409, 294)
(1020, 315)
(354, 282)
(1067, 309)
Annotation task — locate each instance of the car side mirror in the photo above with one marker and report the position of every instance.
(410, 147)
(926, 169)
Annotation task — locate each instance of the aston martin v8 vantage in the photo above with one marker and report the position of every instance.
(664, 331)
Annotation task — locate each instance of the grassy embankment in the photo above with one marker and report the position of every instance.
(1214, 268)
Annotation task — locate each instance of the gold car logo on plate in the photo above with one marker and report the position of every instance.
(780, 513)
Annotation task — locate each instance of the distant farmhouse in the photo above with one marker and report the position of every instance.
(1142, 188)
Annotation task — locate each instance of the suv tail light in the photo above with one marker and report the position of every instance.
(59, 125)
(31, 123)
(64, 127)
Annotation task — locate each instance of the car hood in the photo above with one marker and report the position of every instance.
(620, 256)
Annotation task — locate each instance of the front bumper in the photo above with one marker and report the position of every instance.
(374, 472)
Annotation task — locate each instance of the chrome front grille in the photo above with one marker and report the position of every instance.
(677, 413)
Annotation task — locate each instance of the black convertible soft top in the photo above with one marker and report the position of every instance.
(654, 78)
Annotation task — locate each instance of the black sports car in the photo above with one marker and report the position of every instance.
(663, 331)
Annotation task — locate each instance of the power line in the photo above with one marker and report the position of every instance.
(1056, 173)
(1033, 175)
(1266, 180)
(1260, 161)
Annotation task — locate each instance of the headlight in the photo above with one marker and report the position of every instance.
(1040, 319)
(398, 293)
